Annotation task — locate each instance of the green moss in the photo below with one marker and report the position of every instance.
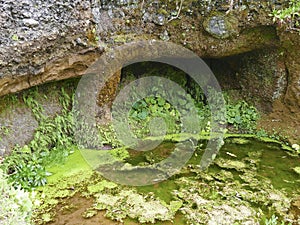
(239, 141)
(230, 164)
(74, 164)
(129, 203)
(162, 190)
(267, 33)
(99, 187)
(89, 213)
(63, 194)
(202, 198)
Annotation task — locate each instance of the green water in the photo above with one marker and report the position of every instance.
(272, 167)
(246, 172)
(275, 164)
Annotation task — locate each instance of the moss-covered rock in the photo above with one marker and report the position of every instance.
(220, 25)
(129, 203)
(230, 164)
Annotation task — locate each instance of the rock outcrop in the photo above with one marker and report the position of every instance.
(42, 41)
(49, 40)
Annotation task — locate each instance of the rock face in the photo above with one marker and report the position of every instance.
(49, 40)
(42, 41)
(39, 42)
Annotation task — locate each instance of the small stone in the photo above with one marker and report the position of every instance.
(27, 14)
(2, 151)
(147, 17)
(110, 13)
(122, 2)
(159, 19)
(164, 36)
(30, 22)
(221, 26)
(230, 164)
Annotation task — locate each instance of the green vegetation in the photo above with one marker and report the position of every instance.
(228, 190)
(240, 116)
(16, 204)
(108, 136)
(149, 108)
(52, 142)
(274, 221)
(238, 187)
(289, 16)
(54, 138)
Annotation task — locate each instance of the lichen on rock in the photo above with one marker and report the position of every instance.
(134, 205)
(221, 25)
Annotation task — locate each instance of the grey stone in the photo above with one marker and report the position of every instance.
(164, 36)
(221, 25)
(30, 22)
(159, 19)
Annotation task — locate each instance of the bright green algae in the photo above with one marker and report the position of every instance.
(249, 180)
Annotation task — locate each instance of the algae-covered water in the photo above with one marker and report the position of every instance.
(249, 181)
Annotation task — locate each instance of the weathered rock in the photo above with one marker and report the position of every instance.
(286, 110)
(221, 25)
(106, 96)
(295, 208)
(30, 22)
(39, 35)
(291, 42)
(72, 65)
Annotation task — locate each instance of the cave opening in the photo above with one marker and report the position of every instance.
(258, 77)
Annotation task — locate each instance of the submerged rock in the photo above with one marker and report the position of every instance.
(207, 205)
(129, 203)
(230, 164)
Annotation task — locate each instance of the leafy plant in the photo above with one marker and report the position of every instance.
(242, 116)
(108, 136)
(274, 221)
(52, 142)
(30, 99)
(288, 16)
(151, 107)
(16, 205)
(28, 176)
